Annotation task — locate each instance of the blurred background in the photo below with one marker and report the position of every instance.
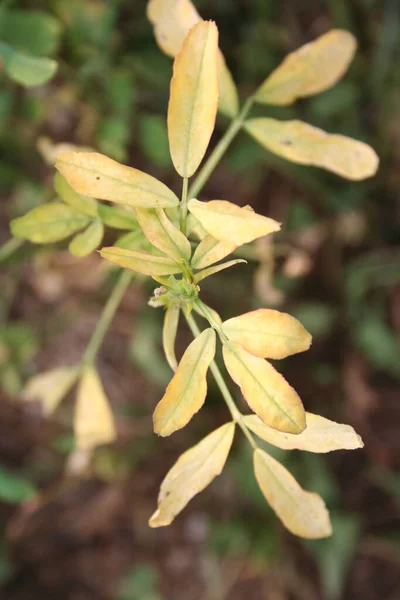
(335, 266)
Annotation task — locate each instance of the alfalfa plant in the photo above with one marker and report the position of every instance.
(179, 242)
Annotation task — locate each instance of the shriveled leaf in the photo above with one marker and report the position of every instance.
(141, 262)
(307, 145)
(117, 217)
(309, 70)
(268, 333)
(172, 21)
(230, 223)
(303, 513)
(210, 251)
(87, 242)
(82, 204)
(50, 387)
(93, 418)
(48, 223)
(192, 473)
(212, 270)
(193, 98)
(187, 389)
(267, 393)
(321, 435)
(163, 234)
(25, 69)
(96, 175)
(171, 321)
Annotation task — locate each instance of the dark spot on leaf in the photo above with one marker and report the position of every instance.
(97, 178)
(286, 143)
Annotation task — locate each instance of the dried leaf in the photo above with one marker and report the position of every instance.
(50, 387)
(321, 435)
(307, 145)
(192, 473)
(268, 333)
(141, 262)
(98, 176)
(87, 242)
(267, 393)
(48, 223)
(230, 223)
(187, 389)
(93, 419)
(309, 70)
(303, 513)
(163, 234)
(193, 98)
(82, 204)
(210, 251)
(171, 321)
(212, 270)
(172, 20)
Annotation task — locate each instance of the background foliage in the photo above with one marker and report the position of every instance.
(336, 268)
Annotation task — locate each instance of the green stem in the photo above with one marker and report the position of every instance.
(11, 246)
(220, 381)
(106, 318)
(183, 208)
(220, 149)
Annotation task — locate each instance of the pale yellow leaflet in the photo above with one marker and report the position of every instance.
(230, 223)
(320, 436)
(187, 389)
(192, 473)
(267, 393)
(193, 99)
(163, 234)
(87, 242)
(98, 176)
(210, 251)
(140, 262)
(48, 223)
(311, 69)
(171, 320)
(172, 20)
(50, 387)
(83, 204)
(307, 145)
(194, 228)
(212, 270)
(213, 313)
(268, 333)
(93, 418)
(303, 513)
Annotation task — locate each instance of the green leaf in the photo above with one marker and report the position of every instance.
(212, 270)
(87, 242)
(32, 31)
(153, 136)
(15, 489)
(83, 204)
(141, 262)
(117, 217)
(48, 223)
(26, 70)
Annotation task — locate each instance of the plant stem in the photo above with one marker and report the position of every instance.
(220, 381)
(220, 149)
(11, 246)
(106, 318)
(183, 208)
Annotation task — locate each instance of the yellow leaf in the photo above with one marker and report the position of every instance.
(210, 251)
(230, 223)
(48, 223)
(268, 333)
(163, 234)
(310, 69)
(194, 228)
(267, 393)
(82, 204)
(307, 145)
(98, 176)
(141, 262)
(212, 270)
(303, 513)
(193, 98)
(172, 21)
(320, 436)
(171, 321)
(192, 473)
(50, 387)
(93, 418)
(87, 242)
(187, 389)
